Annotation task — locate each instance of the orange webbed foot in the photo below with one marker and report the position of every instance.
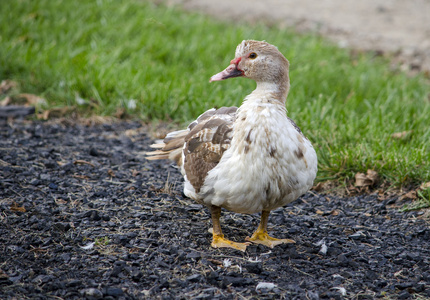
(263, 238)
(218, 241)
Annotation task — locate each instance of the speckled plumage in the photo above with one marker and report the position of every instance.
(251, 159)
(265, 167)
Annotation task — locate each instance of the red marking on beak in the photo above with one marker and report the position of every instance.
(236, 60)
(231, 71)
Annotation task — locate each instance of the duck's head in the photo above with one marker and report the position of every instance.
(256, 60)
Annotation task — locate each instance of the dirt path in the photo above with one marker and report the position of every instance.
(395, 26)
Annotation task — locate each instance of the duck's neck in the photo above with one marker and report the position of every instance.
(278, 90)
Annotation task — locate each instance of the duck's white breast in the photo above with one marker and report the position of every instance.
(269, 164)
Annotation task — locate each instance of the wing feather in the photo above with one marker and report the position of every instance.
(208, 138)
(199, 148)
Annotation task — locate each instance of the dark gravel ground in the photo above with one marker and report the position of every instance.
(84, 215)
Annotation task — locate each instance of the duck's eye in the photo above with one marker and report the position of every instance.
(253, 55)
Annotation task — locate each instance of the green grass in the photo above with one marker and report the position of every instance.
(110, 51)
(422, 201)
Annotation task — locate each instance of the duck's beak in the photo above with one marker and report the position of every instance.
(231, 71)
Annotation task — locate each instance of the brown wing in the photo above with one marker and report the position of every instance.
(208, 137)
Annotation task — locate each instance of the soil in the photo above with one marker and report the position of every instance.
(400, 29)
(83, 215)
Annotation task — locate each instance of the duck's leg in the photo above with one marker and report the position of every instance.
(218, 240)
(260, 236)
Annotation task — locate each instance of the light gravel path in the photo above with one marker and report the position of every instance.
(395, 26)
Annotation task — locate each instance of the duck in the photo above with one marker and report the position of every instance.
(248, 159)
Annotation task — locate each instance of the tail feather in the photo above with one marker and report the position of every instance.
(155, 157)
(169, 148)
(158, 145)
